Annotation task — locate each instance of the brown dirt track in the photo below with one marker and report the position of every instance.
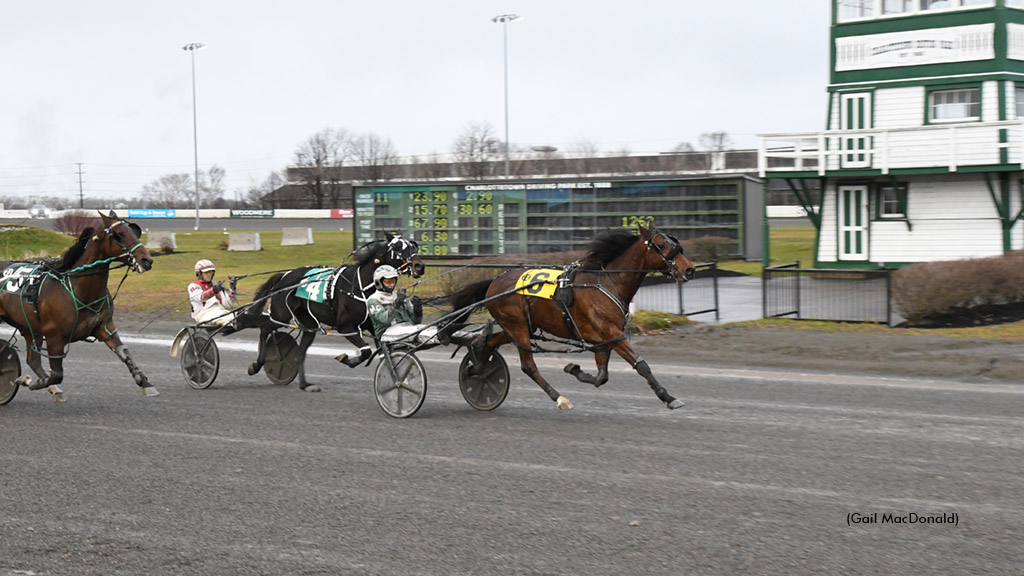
(881, 352)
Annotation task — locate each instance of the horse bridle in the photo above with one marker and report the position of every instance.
(669, 259)
(115, 237)
(402, 249)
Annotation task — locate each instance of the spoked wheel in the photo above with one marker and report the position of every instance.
(282, 360)
(484, 383)
(10, 370)
(200, 360)
(400, 384)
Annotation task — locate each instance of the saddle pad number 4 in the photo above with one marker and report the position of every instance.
(548, 277)
(314, 284)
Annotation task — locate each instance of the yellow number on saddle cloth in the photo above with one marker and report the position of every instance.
(549, 277)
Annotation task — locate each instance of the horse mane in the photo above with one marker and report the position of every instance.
(367, 252)
(607, 246)
(72, 254)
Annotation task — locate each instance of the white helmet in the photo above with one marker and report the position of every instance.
(204, 265)
(380, 274)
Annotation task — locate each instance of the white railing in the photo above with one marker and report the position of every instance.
(939, 146)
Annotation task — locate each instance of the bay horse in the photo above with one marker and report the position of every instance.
(72, 302)
(344, 305)
(610, 275)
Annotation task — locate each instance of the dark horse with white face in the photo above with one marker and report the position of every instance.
(344, 304)
(602, 288)
(72, 302)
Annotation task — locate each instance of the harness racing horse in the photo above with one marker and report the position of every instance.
(70, 301)
(610, 275)
(342, 307)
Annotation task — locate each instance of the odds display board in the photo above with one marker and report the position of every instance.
(470, 219)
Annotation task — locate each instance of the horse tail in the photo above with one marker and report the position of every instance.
(469, 298)
(259, 301)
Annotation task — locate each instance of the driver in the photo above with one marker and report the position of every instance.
(211, 303)
(397, 317)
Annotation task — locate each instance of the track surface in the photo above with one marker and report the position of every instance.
(760, 473)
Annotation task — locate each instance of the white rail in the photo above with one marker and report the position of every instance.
(938, 146)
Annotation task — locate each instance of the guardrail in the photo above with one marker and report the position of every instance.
(817, 294)
(657, 293)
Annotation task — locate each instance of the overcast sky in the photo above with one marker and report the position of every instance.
(107, 84)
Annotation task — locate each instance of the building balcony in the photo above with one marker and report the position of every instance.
(962, 147)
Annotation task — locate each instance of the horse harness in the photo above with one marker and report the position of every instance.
(563, 298)
(28, 284)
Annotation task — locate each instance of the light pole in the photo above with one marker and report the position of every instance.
(195, 132)
(504, 19)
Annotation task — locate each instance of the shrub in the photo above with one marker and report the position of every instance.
(924, 291)
(74, 221)
(709, 248)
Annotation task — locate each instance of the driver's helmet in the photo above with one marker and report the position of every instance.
(204, 265)
(385, 279)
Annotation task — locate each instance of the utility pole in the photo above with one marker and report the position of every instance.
(81, 197)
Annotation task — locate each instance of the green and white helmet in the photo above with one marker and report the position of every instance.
(380, 274)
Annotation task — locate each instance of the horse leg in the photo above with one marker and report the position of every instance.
(113, 342)
(35, 361)
(624, 350)
(529, 366)
(364, 352)
(304, 343)
(261, 356)
(601, 358)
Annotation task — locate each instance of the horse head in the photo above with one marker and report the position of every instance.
(403, 254)
(664, 253)
(123, 242)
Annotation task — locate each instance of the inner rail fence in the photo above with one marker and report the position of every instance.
(657, 293)
(837, 295)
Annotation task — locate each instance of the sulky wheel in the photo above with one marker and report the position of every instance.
(200, 360)
(400, 384)
(484, 383)
(10, 370)
(282, 359)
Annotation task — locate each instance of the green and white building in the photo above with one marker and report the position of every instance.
(921, 156)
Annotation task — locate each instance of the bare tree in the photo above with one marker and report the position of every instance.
(715, 144)
(256, 195)
(211, 187)
(168, 191)
(375, 156)
(322, 154)
(476, 150)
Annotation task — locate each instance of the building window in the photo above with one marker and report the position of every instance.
(854, 9)
(1019, 96)
(954, 105)
(892, 202)
(897, 6)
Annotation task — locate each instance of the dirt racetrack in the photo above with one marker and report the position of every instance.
(892, 353)
(789, 346)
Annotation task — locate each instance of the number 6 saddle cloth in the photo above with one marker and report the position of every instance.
(548, 283)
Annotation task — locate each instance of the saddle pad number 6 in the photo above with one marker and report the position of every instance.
(549, 277)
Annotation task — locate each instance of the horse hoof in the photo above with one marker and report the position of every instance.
(311, 388)
(25, 380)
(564, 404)
(253, 369)
(571, 369)
(343, 358)
(677, 403)
(56, 394)
(150, 391)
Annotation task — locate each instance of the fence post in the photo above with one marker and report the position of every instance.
(798, 316)
(888, 298)
(714, 284)
(765, 276)
(682, 309)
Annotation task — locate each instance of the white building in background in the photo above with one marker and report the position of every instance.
(921, 156)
